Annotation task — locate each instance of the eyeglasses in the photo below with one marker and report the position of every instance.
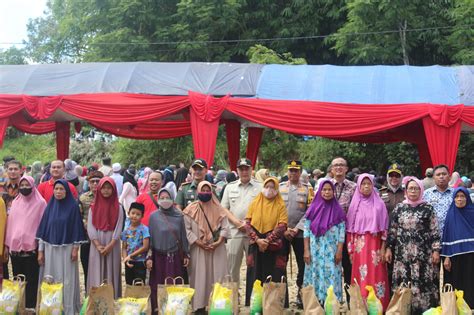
(339, 165)
(413, 188)
(94, 181)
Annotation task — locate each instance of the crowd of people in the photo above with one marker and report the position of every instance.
(199, 223)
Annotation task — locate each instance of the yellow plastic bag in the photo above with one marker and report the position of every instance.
(10, 297)
(331, 304)
(433, 311)
(463, 308)
(178, 300)
(51, 299)
(256, 306)
(221, 301)
(374, 305)
(131, 306)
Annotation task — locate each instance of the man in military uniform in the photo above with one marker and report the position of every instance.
(297, 196)
(187, 193)
(85, 201)
(393, 194)
(236, 200)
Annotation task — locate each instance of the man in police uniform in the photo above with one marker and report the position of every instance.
(297, 195)
(187, 193)
(236, 200)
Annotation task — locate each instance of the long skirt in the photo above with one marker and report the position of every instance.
(369, 268)
(164, 266)
(462, 276)
(261, 265)
(58, 264)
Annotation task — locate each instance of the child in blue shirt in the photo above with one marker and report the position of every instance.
(135, 244)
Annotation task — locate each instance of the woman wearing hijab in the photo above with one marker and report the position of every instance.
(60, 234)
(36, 172)
(168, 181)
(207, 228)
(367, 225)
(70, 172)
(104, 226)
(20, 239)
(324, 236)
(181, 175)
(458, 244)
(130, 188)
(169, 245)
(46, 173)
(3, 224)
(143, 181)
(266, 221)
(262, 175)
(413, 244)
(79, 170)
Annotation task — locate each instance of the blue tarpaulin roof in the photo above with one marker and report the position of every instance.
(368, 84)
(341, 84)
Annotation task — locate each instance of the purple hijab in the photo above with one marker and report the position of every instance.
(366, 214)
(324, 214)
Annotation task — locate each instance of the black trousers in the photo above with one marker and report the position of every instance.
(138, 271)
(29, 267)
(5, 271)
(85, 249)
(298, 247)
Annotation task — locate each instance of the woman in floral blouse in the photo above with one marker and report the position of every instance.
(413, 244)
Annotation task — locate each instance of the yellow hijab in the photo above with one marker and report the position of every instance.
(265, 214)
(3, 224)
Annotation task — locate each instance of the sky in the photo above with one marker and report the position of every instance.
(14, 15)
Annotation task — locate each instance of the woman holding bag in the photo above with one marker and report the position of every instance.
(266, 221)
(324, 236)
(169, 244)
(60, 234)
(367, 226)
(207, 228)
(458, 244)
(413, 245)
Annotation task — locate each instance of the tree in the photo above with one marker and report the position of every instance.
(12, 56)
(462, 37)
(366, 37)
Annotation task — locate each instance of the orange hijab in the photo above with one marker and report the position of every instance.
(265, 214)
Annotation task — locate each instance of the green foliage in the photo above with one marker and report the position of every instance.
(264, 55)
(12, 56)
(276, 149)
(462, 38)
(30, 148)
(402, 47)
(85, 152)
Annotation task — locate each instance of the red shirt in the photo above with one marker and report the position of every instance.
(150, 206)
(46, 189)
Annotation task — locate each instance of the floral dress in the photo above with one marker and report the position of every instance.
(412, 237)
(323, 272)
(368, 267)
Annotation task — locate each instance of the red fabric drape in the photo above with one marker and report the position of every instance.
(325, 119)
(205, 113)
(442, 131)
(232, 129)
(253, 144)
(77, 127)
(62, 139)
(150, 130)
(3, 129)
(41, 107)
(122, 108)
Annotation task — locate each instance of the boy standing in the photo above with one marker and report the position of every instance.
(136, 241)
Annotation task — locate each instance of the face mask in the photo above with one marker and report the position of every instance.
(25, 191)
(165, 203)
(205, 197)
(269, 193)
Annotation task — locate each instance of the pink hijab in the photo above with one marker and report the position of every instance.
(366, 214)
(420, 200)
(24, 218)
